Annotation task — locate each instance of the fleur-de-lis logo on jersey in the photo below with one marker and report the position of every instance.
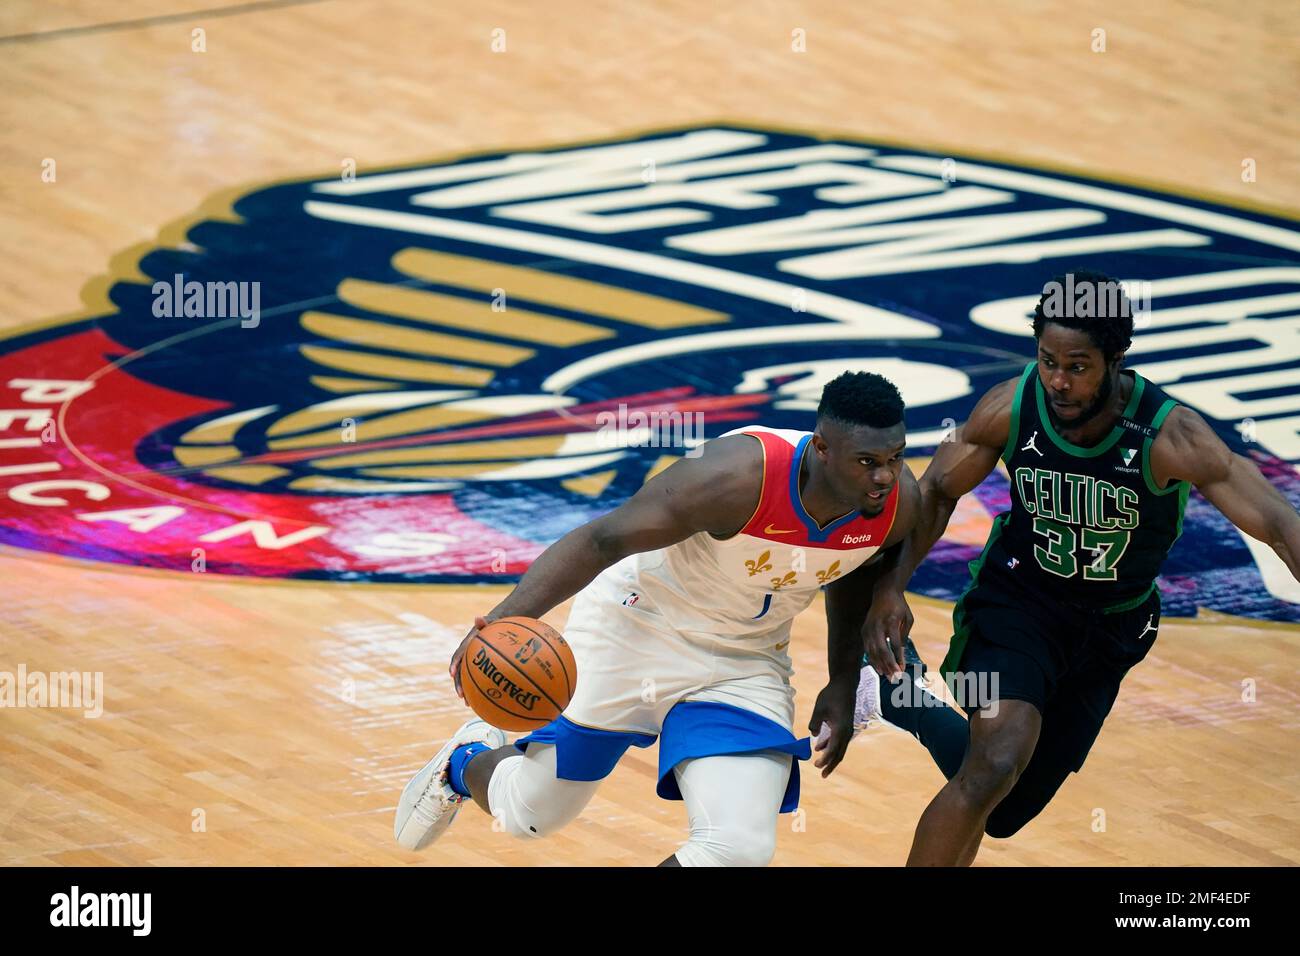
(832, 572)
(779, 583)
(760, 564)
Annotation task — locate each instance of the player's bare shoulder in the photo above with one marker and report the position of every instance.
(989, 423)
(1186, 448)
(720, 487)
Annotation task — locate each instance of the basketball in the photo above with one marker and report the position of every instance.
(518, 673)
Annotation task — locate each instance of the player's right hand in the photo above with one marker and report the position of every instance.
(832, 722)
(889, 621)
(459, 653)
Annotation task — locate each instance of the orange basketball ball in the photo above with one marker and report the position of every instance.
(518, 673)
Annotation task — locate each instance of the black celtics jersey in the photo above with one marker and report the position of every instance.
(1087, 526)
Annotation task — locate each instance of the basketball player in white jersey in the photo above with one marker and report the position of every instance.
(681, 628)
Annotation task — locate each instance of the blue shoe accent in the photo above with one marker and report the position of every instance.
(460, 758)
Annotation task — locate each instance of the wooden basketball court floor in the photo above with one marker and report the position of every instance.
(268, 723)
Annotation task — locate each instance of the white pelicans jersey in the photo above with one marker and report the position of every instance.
(745, 590)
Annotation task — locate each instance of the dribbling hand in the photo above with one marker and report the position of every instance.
(459, 653)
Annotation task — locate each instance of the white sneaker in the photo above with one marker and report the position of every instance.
(428, 804)
(867, 706)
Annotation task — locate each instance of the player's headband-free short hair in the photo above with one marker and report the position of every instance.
(1090, 302)
(861, 398)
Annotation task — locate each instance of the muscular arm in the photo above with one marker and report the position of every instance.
(716, 492)
(1186, 449)
(958, 466)
(849, 599)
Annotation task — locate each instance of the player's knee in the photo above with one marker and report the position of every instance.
(757, 850)
(541, 815)
(989, 776)
(533, 824)
(533, 806)
(729, 847)
(713, 853)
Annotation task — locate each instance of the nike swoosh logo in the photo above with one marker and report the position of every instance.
(770, 530)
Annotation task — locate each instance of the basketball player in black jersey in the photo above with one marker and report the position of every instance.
(1063, 600)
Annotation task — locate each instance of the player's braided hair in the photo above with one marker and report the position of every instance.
(861, 398)
(1098, 306)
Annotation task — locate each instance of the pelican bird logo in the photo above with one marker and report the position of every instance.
(420, 408)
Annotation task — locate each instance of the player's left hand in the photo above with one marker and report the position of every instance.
(832, 724)
(459, 654)
(889, 621)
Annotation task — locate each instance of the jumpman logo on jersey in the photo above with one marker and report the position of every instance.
(1030, 446)
(1149, 627)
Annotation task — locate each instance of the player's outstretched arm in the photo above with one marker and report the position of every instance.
(847, 601)
(1187, 449)
(716, 492)
(959, 465)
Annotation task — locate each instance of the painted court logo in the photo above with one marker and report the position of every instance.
(430, 373)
